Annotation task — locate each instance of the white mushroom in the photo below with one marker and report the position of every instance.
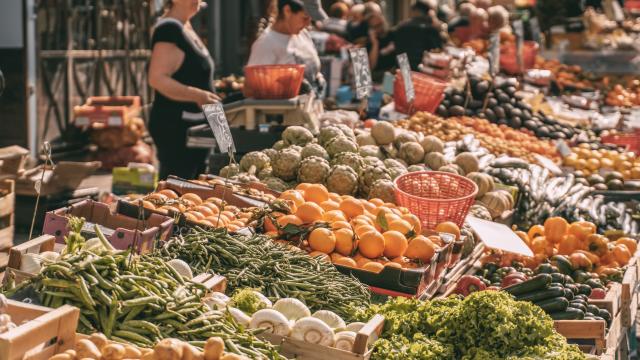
(345, 340)
(239, 315)
(355, 326)
(264, 299)
(314, 331)
(181, 268)
(273, 321)
(31, 263)
(330, 318)
(292, 309)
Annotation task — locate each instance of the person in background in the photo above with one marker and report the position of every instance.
(337, 21)
(380, 44)
(287, 41)
(356, 27)
(181, 73)
(417, 34)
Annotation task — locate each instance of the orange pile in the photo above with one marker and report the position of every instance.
(365, 234)
(212, 212)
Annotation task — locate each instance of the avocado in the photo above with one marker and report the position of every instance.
(481, 88)
(457, 100)
(595, 179)
(530, 124)
(503, 98)
(614, 175)
(601, 187)
(632, 185)
(615, 184)
(515, 122)
(490, 114)
(456, 110)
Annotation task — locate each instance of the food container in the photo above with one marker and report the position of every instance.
(429, 93)
(110, 111)
(509, 59)
(121, 230)
(273, 81)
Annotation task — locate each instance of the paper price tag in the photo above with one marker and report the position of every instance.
(37, 186)
(114, 121)
(518, 29)
(217, 120)
(563, 148)
(405, 70)
(548, 164)
(498, 236)
(361, 72)
(494, 53)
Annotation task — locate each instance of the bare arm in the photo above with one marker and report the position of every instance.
(166, 58)
(375, 49)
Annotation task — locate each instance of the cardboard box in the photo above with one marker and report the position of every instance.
(12, 161)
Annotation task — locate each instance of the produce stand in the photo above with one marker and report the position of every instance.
(7, 210)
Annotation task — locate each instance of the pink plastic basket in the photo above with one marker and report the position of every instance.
(509, 60)
(435, 196)
(273, 81)
(429, 93)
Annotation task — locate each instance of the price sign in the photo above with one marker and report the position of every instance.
(494, 53)
(361, 72)
(217, 120)
(405, 71)
(535, 29)
(498, 236)
(518, 29)
(563, 148)
(548, 164)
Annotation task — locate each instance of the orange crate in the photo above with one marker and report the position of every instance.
(429, 93)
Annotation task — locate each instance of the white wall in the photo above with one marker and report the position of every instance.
(11, 28)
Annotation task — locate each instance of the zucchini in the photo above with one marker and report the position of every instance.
(603, 313)
(594, 284)
(584, 290)
(554, 304)
(539, 295)
(580, 276)
(568, 314)
(568, 294)
(582, 297)
(568, 280)
(544, 269)
(578, 306)
(593, 309)
(538, 282)
(563, 264)
(557, 278)
(555, 284)
(572, 287)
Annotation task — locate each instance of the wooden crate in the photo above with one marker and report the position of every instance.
(300, 350)
(593, 331)
(612, 301)
(34, 246)
(7, 210)
(630, 292)
(215, 283)
(45, 331)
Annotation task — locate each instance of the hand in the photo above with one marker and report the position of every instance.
(206, 97)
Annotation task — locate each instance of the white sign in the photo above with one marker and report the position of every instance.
(361, 72)
(498, 236)
(518, 29)
(405, 71)
(563, 148)
(494, 53)
(548, 164)
(217, 120)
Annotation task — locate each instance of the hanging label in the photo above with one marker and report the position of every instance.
(498, 236)
(535, 29)
(518, 29)
(361, 72)
(494, 53)
(82, 121)
(218, 122)
(548, 164)
(563, 148)
(405, 71)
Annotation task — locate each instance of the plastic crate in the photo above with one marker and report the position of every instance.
(631, 141)
(509, 59)
(429, 93)
(273, 81)
(110, 111)
(435, 196)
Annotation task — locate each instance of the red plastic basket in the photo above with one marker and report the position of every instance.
(629, 140)
(435, 196)
(429, 93)
(273, 81)
(509, 60)
(632, 5)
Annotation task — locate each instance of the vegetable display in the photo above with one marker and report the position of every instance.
(277, 271)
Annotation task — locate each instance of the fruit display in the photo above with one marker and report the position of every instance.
(477, 327)
(604, 163)
(498, 139)
(569, 77)
(364, 234)
(624, 96)
(212, 212)
(239, 188)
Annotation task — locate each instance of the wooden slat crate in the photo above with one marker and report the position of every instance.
(300, 350)
(594, 331)
(34, 246)
(45, 331)
(215, 283)
(612, 301)
(7, 210)
(630, 291)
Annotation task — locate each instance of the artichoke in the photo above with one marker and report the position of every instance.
(390, 163)
(417, 167)
(383, 132)
(297, 135)
(313, 170)
(365, 139)
(342, 180)
(352, 160)
(314, 150)
(404, 137)
(373, 161)
(371, 150)
(328, 133)
(271, 153)
(383, 189)
(394, 172)
(286, 164)
(347, 131)
(340, 144)
(229, 171)
(369, 175)
(279, 145)
(254, 162)
(265, 173)
(411, 152)
(275, 184)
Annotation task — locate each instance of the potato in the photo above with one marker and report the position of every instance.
(169, 349)
(148, 356)
(131, 352)
(71, 353)
(62, 356)
(100, 340)
(113, 352)
(213, 348)
(87, 349)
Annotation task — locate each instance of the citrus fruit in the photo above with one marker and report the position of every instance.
(309, 212)
(346, 261)
(320, 255)
(393, 265)
(293, 196)
(414, 221)
(395, 244)
(361, 260)
(322, 240)
(340, 225)
(371, 244)
(372, 266)
(420, 248)
(316, 193)
(449, 228)
(335, 256)
(351, 207)
(345, 241)
(401, 226)
(329, 205)
(170, 194)
(302, 186)
(360, 230)
(193, 198)
(283, 221)
(333, 215)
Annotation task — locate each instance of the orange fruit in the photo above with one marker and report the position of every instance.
(204, 210)
(371, 244)
(282, 221)
(335, 256)
(351, 207)
(395, 244)
(329, 205)
(233, 209)
(403, 210)
(229, 214)
(148, 204)
(436, 240)
(213, 207)
(309, 212)
(449, 228)
(368, 205)
(322, 240)
(373, 267)
(316, 193)
(345, 241)
(346, 261)
(400, 260)
(420, 248)
(293, 196)
(302, 186)
(391, 217)
(206, 223)
(401, 226)
(414, 221)
(377, 202)
(393, 265)
(232, 227)
(191, 216)
(361, 260)
(195, 199)
(363, 229)
(320, 255)
(333, 215)
(169, 193)
(334, 197)
(340, 225)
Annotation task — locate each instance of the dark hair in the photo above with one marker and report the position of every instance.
(422, 6)
(294, 5)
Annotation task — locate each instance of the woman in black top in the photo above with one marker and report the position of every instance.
(181, 72)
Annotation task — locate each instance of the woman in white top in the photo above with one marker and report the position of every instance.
(287, 40)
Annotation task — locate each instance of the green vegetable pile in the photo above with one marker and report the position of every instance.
(273, 269)
(485, 325)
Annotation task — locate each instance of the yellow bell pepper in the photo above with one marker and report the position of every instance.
(555, 228)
